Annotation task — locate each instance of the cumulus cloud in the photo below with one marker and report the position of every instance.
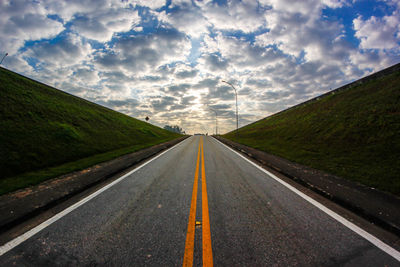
(166, 59)
(213, 62)
(153, 4)
(221, 93)
(180, 17)
(16, 62)
(185, 72)
(206, 83)
(22, 21)
(187, 100)
(141, 53)
(118, 103)
(178, 89)
(298, 34)
(311, 8)
(68, 50)
(86, 76)
(163, 103)
(67, 9)
(378, 33)
(246, 16)
(258, 82)
(92, 29)
(225, 54)
(102, 26)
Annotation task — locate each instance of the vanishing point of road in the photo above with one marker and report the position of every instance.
(197, 204)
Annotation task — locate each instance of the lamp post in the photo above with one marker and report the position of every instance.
(237, 116)
(3, 58)
(216, 121)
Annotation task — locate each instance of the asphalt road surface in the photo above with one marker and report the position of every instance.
(197, 204)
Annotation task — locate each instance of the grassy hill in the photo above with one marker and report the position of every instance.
(45, 132)
(353, 132)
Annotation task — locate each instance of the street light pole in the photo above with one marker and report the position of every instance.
(3, 58)
(216, 121)
(237, 116)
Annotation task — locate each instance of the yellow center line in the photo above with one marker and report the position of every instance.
(189, 244)
(206, 237)
(207, 249)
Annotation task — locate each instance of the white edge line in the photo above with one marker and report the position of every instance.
(372, 239)
(18, 240)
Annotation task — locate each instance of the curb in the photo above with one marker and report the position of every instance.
(376, 206)
(18, 206)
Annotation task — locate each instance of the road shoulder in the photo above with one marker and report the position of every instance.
(21, 205)
(376, 206)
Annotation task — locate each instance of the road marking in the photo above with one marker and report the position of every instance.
(205, 223)
(189, 244)
(207, 249)
(372, 239)
(18, 240)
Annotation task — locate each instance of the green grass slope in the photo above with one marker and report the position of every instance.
(353, 133)
(45, 132)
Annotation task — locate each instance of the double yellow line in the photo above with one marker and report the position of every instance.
(206, 234)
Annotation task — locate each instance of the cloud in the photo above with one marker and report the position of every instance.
(378, 33)
(92, 29)
(371, 61)
(240, 53)
(101, 27)
(86, 76)
(142, 53)
(274, 96)
(184, 71)
(180, 17)
(220, 107)
(258, 82)
(186, 74)
(221, 93)
(67, 9)
(300, 35)
(66, 51)
(206, 83)
(21, 21)
(187, 100)
(245, 16)
(153, 4)
(152, 78)
(166, 59)
(117, 103)
(116, 76)
(16, 62)
(178, 89)
(311, 8)
(163, 103)
(214, 62)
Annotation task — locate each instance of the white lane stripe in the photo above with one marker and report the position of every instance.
(18, 240)
(372, 239)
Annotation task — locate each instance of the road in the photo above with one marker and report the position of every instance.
(199, 202)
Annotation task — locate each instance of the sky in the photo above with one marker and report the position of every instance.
(166, 59)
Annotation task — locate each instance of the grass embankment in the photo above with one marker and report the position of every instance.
(45, 132)
(354, 133)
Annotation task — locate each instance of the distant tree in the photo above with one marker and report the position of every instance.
(175, 129)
